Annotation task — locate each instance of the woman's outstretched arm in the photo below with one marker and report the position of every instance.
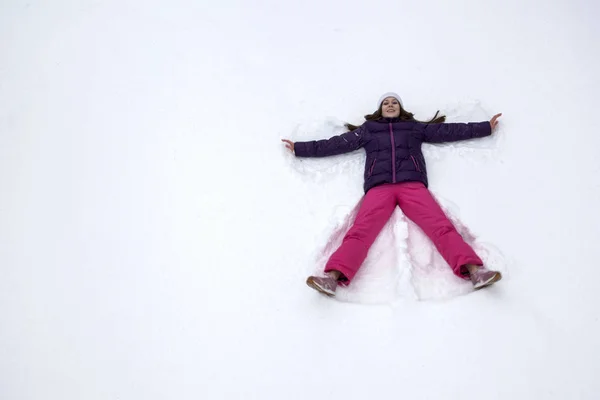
(340, 144)
(453, 132)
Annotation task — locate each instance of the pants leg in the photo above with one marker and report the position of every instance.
(377, 208)
(418, 204)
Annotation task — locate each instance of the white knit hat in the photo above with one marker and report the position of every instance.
(389, 94)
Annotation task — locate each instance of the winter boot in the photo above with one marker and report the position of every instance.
(483, 277)
(325, 285)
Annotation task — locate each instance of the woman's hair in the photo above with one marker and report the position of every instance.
(404, 116)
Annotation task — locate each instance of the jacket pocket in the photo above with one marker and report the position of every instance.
(416, 164)
(372, 166)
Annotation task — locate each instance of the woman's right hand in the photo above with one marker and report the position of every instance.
(494, 121)
(289, 144)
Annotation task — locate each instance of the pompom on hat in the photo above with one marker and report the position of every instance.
(389, 94)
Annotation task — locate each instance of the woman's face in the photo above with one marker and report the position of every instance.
(390, 107)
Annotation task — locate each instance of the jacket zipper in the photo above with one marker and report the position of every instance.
(393, 154)
(415, 162)
(372, 166)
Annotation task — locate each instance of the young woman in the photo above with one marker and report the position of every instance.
(396, 175)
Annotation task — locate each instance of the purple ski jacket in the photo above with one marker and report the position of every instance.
(393, 147)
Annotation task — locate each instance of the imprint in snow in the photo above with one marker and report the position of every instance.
(481, 149)
(402, 263)
(321, 170)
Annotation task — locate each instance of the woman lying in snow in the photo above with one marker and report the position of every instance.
(396, 175)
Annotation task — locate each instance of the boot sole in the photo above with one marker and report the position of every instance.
(311, 283)
(492, 280)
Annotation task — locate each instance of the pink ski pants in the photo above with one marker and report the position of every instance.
(417, 204)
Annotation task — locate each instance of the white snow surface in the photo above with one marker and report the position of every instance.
(156, 235)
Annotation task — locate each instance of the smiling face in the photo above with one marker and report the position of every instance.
(390, 107)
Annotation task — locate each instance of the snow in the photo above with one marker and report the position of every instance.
(156, 235)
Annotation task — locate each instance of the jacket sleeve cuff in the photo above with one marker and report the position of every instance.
(484, 129)
(300, 149)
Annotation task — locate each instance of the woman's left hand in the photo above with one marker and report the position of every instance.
(494, 120)
(289, 144)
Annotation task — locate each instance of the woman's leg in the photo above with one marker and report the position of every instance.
(377, 208)
(418, 204)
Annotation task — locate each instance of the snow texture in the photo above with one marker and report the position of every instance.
(156, 235)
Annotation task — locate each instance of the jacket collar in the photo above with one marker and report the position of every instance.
(390, 120)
